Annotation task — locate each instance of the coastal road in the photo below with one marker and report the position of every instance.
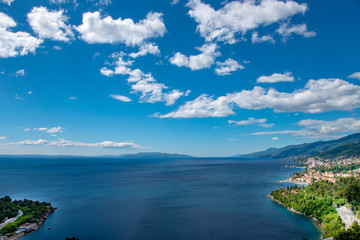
(10, 220)
(347, 216)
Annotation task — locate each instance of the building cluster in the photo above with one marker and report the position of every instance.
(313, 174)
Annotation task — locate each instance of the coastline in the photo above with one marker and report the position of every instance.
(295, 211)
(18, 235)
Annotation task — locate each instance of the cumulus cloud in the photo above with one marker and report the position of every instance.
(286, 30)
(276, 77)
(13, 44)
(106, 72)
(355, 75)
(317, 96)
(196, 62)
(240, 16)
(266, 38)
(66, 143)
(8, 2)
(96, 29)
(2, 138)
(148, 48)
(249, 121)
(312, 128)
(50, 24)
(144, 83)
(225, 68)
(120, 98)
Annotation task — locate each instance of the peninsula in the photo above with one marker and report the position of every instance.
(20, 217)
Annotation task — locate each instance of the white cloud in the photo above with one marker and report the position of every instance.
(50, 24)
(148, 48)
(17, 97)
(151, 91)
(95, 29)
(20, 73)
(196, 62)
(57, 48)
(286, 30)
(66, 143)
(250, 121)
(266, 125)
(120, 98)
(174, 2)
(27, 129)
(58, 1)
(2, 138)
(317, 96)
(240, 16)
(355, 75)
(225, 68)
(30, 92)
(321, 129)
(49, 130)
(106, 72)
(55, 130)
(8, 2)
(276, 77)
(275, 138)
(72, 98)
(266, 38)
(13, 44)
(103, 2)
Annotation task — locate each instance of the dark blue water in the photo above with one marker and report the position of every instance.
(156, 199)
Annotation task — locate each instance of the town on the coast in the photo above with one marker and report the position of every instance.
(330, 169)
(327, 190)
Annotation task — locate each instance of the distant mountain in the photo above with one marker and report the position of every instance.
(153, 155)
(351, 149)
(303, 150)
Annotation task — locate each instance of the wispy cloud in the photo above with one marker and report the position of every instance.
(48, 130)
(355, 75)
(20, 73)
(312, 128)
(250, 121)
(66, 143)
(120, 98)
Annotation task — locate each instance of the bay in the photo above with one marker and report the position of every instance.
(109, 198)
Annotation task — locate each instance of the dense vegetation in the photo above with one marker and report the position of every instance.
(318, 200)
(351, 149)
(33, 211)
(338, 168)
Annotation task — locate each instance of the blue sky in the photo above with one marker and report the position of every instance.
(206, 78)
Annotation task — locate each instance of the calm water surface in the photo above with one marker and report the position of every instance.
(156, 199)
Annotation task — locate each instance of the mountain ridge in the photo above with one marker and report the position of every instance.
(304, 149)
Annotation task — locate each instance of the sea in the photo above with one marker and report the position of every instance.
(151, 199)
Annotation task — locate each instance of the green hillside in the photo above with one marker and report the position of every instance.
(305, 149)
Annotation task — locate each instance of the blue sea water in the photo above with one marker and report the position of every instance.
(106, 198)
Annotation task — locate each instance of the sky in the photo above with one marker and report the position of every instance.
(201, 77)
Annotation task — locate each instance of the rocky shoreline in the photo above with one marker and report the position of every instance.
(294, 211)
